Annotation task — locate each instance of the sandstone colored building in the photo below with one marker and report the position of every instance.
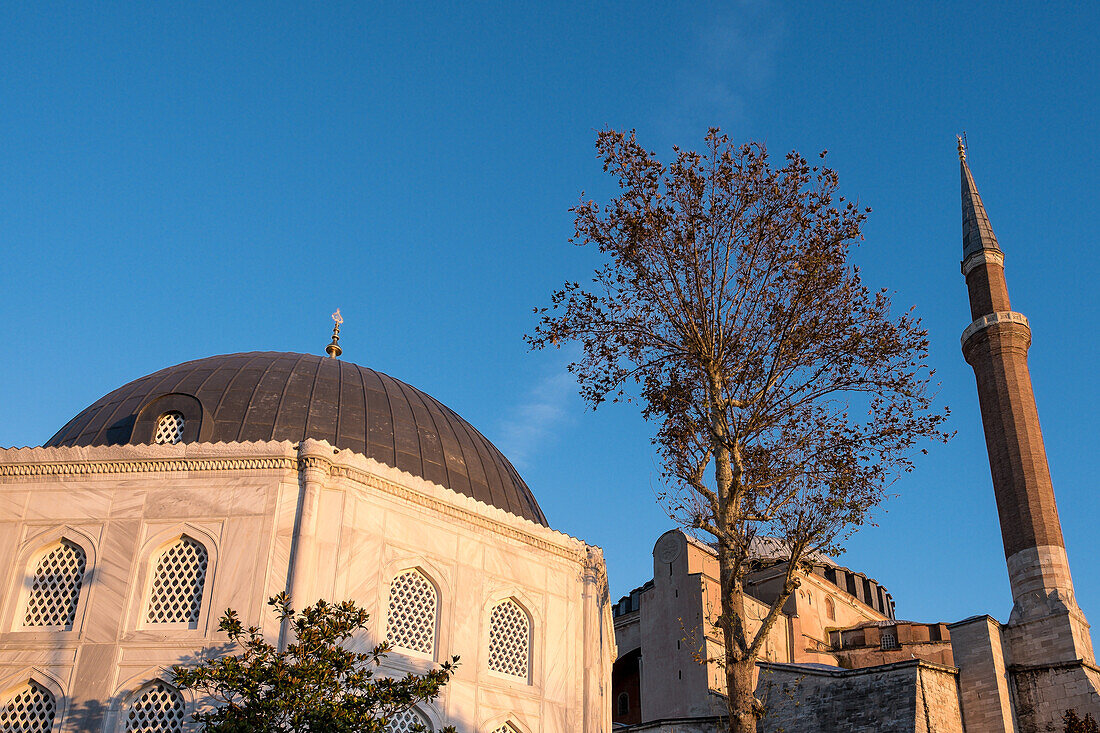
(838, 660)
(220, 482)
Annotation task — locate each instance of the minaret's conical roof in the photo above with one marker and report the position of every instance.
(977, 231)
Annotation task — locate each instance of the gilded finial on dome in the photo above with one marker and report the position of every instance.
(962, 147)
(334, 349)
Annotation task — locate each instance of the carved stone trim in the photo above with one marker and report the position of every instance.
(980, 258)
(987, 321)
(150, 466)
(315, 459)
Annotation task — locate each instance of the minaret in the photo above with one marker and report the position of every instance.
(1046, 625)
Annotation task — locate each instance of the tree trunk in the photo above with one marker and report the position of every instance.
(739, 666)
(742, 701)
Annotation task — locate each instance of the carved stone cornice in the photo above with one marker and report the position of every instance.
(982, 256)
(985, 322)
(311, 455)
(86, 468)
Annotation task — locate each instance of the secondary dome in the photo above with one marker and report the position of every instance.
(279, 396)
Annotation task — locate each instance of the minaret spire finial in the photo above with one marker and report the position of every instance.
(334, 349)
(962, 147)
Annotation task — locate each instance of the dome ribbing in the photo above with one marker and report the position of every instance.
(261, 396)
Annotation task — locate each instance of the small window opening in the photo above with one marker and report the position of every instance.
(156, 707)
(406, 721)
(169, 429)
(889, 641)
(31, 710)
(623, 704)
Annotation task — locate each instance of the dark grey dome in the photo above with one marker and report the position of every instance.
(279, 396)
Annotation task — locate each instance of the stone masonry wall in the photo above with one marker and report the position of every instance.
(906, 697)
(1044, 693)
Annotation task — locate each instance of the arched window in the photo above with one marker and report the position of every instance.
(889, 641)
(169, 428)
(830, 608)
(509, 640)
(413, 610)
(30, 710)
(55, 587)
(155, 708)
(405, 721)
(176, 593)
(623, 703)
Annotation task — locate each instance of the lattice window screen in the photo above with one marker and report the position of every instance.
(177, 584)
(169, 428)
(155, 708)
(406, 722)
(55, 587)
(31, 710)
(413, 612)
(509, 640)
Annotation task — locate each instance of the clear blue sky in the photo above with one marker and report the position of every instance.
(185, 179)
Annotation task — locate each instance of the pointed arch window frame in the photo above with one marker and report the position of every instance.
(31, 552)
(13, 681)
(428, 573)
(159, 540)
(532, 607)
(131, 687)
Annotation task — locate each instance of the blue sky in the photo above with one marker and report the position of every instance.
(187, 179)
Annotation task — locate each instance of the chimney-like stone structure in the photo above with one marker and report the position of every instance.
(1046, 625)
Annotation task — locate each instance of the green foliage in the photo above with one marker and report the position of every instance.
(316, 685)
(1074, 724)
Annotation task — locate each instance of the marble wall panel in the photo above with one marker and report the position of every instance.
(91, 686)
(559, 663)
(113, 576)
(503, 561)
(17, 657)
(242, 563)
(428, 535)
(557, 718)
(62, 504)
(12, 502)
(127, 502)
(358, 574)
(330, 525)
(172, 503)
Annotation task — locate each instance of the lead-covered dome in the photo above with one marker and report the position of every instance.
(261, 396)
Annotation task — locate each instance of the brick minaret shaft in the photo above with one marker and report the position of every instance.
(995, 344)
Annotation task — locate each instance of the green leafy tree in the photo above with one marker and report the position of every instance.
(786, 397)
(316, 685)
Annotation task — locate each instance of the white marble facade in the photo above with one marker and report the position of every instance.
(279, 516)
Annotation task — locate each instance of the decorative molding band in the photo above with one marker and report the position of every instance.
(980, 258)
(310, 456)
(986, 321)
(150, 466)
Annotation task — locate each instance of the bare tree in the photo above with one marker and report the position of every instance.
(787, 396)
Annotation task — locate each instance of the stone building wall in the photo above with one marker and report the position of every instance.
(907, 697)
(323, 523)
(1045, 692)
